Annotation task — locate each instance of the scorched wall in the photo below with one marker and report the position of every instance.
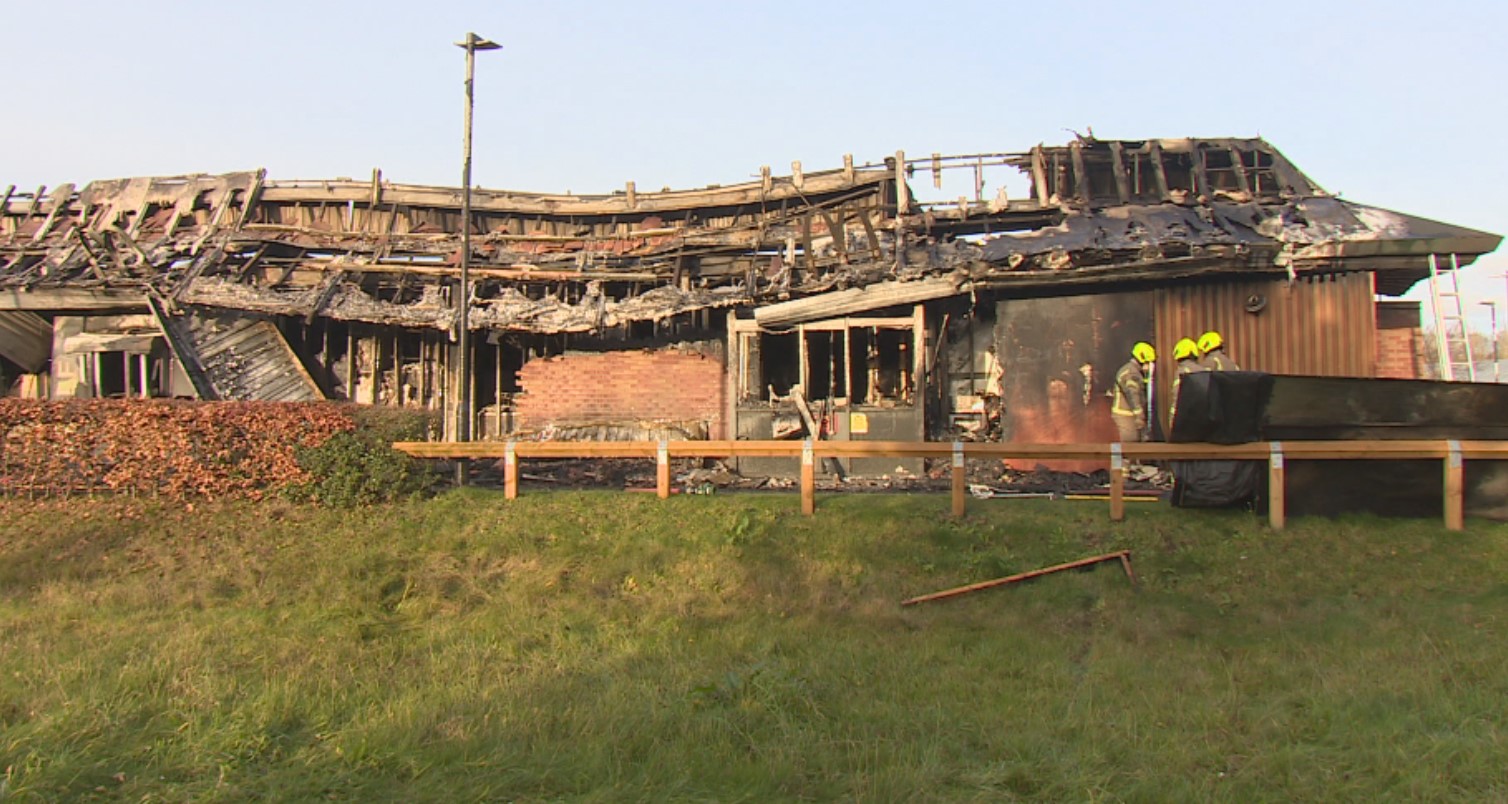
(665, 386)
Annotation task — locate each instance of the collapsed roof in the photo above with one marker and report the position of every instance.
(792, 247)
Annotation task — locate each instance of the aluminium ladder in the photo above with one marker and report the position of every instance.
(1452, 343)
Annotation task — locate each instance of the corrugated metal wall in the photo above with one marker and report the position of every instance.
(1319, 325)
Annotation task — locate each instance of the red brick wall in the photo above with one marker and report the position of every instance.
(1398, 353)
(611, 387)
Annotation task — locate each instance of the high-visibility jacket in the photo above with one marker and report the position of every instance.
(1186, 366)
(1218, 360)
(1130, 392)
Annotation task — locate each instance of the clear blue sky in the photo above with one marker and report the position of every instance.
(1388, 103)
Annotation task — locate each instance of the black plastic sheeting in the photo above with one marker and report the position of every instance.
(1242, 407)
(1220, 408)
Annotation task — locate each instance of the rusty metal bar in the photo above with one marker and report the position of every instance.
(1123, 556)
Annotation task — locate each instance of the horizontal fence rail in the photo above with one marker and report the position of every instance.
(1451, 453)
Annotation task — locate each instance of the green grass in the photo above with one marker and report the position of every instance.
(600, 646)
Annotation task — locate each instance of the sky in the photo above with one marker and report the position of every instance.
(1387, 103)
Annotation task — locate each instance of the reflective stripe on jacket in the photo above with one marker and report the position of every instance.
(1184, 367)
(1130, 391)
(1219, 361)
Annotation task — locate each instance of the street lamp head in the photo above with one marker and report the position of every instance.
(474, 42)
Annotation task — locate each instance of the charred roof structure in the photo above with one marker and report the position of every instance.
(249, 286)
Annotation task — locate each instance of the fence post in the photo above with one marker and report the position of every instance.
(662, 469)
(808, 479)
(1277, 501)
(1117, 484)
(510, 471)
(1455, 502)
(958, 480)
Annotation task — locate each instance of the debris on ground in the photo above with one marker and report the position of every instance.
(1123, 556)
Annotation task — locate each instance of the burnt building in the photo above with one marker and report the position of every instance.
(831, 301)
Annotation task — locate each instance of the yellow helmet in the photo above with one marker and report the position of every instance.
(1210, 341)
(1185, 348)
(1143, 352)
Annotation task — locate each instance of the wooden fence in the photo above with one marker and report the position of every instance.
(1451, 453)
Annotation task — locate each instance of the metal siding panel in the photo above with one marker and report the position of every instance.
(1320, 325)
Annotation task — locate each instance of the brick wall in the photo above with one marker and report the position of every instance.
(667, 385)
(1398, 353)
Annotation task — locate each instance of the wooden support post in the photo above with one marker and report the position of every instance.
(510, 471)
(902, 192)
(1080, 173)
(1118, 166)
(1039, 176)
(848, 174)
(1277, 511)
(959, 499)
(376, 196)
(798, 178)
(1454, 487)
(662, 469)
(631, 195)
(808, 479)
(1117, 484)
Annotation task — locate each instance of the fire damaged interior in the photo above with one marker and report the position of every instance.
(833, 304)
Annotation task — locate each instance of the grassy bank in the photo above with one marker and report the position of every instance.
(603, 646)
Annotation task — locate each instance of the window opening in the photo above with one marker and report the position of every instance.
(111, 374)
(826, 365)
(1179, 169)
(1260, 173)
(779, 364)
(1220, 170)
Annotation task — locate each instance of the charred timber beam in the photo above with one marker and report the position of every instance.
(1119, 272)
(856, 300)
(520, 273)
(68, 299)
(327, 292)
(544, 204)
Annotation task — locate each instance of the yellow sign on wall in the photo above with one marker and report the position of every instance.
(858, 423)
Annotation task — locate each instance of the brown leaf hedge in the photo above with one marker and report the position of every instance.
(170, 448)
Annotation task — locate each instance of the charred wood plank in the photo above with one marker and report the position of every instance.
(327, 291)
(1118, 167)
(247, 266)
(1080, 174)
(61, 195)
(195, 269)
(840, 237)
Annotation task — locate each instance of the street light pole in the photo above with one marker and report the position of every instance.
(1492, 307)
(471, 45)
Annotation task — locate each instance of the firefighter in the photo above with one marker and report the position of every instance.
(1212, 353)
(1129, 406)
(1186, 352)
